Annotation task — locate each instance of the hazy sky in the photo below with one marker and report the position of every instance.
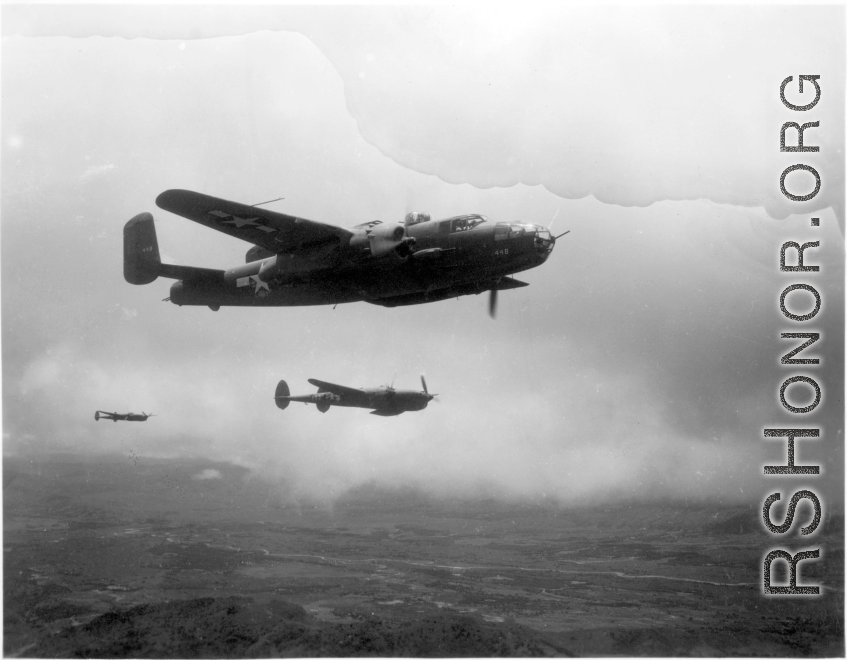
(642, 360)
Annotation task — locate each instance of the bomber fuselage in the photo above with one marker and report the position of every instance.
(439, 259)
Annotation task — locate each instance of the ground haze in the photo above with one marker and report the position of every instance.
(139, 557)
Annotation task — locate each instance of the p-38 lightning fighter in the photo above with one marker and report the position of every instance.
(385, 401)
(294, 261)
(122, 417)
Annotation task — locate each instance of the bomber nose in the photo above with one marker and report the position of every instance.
(544, 242)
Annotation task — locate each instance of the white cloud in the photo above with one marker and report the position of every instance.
(95, 171)
(207, 474)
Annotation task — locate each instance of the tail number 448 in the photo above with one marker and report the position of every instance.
(501, 253)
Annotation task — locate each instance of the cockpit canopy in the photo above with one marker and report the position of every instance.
(464, 222)
(448, 225)
(416, 217)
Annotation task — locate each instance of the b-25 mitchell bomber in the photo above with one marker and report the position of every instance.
(294, 261)
(385, 401)
(122, 417)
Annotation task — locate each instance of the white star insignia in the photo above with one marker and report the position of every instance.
(229, 219)
(260, 285)
(240, 222)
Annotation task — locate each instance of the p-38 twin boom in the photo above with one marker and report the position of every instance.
(294, 261)
(384, 401)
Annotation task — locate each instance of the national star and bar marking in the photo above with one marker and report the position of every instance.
(239, 222)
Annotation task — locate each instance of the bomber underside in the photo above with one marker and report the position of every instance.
(390, 290)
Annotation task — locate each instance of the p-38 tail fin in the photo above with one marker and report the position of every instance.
(281, 395)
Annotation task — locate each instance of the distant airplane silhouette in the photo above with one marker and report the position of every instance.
(126, 417)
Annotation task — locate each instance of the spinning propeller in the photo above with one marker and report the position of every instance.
(426, 391)
(492, 296)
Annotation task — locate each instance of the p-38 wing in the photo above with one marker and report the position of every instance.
(275, 232)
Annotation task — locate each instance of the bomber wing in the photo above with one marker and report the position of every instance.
(276, 232)
(349, 395)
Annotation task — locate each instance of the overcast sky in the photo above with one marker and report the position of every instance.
(642, 360)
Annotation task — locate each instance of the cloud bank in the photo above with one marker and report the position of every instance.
(630, 104)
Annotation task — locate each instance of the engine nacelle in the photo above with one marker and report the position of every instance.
(384, 238)
(257, 253)
(269, 269)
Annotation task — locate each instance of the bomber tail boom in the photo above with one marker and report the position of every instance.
(141, 250)
(142, 263)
